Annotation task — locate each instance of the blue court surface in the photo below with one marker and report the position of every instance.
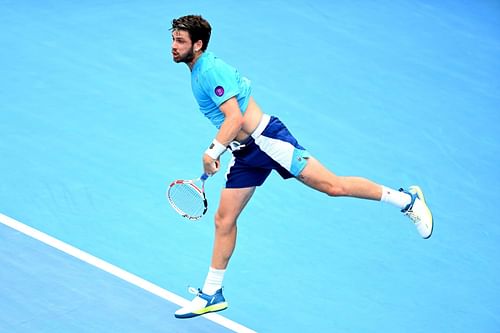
(96, 120)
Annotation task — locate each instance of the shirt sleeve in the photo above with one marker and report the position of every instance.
(220, 84)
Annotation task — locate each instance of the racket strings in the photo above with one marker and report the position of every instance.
(187, 199)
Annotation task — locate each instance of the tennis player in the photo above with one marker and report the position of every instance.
(259, 143)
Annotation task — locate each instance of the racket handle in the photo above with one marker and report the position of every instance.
(204, 177)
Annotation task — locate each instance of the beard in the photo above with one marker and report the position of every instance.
(186, 58)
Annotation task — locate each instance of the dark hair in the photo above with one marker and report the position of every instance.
(197, 27)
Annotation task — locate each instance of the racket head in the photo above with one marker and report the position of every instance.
(188, 199)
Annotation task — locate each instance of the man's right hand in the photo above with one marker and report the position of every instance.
(210, 166)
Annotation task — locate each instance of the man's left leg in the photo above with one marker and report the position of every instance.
(410, 202)
(210, 298)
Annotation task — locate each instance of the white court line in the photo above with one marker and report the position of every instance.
(116, 271)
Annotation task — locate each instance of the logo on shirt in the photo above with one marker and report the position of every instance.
(219, 91)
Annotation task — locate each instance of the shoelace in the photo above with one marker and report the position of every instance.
(194, 291)
(199, 293)
(409, 207)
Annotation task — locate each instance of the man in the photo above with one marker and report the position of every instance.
(259, 144)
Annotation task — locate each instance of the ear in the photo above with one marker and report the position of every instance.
(198, 45)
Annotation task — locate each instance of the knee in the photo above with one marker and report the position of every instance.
(223, 222)
(335, 189)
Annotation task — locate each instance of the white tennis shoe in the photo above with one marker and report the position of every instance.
(418, 212)
(202, 304)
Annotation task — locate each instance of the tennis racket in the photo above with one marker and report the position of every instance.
(187, 198)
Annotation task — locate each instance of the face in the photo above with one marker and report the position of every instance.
(182, 47)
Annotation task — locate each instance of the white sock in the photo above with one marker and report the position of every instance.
(396, 198)
(213, 282)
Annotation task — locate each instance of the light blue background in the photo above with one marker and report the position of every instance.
(96, 120)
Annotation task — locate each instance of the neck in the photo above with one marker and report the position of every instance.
(195, 58)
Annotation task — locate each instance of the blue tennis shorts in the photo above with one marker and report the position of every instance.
(270, 147)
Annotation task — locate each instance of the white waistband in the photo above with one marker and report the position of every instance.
(264, 121)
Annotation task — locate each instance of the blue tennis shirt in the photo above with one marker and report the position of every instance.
(213, 82)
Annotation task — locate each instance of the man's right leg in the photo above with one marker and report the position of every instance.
(210, 298)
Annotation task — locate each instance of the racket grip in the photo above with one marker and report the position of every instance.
(204, 177)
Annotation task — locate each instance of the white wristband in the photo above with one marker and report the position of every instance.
(216, 149)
